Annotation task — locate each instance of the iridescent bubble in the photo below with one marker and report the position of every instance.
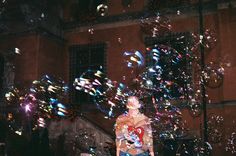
(231, 143)
(225, 62)
(102, 9)
(195, 108)
(160, 51)
(213, 75)
(13, 95)
(112, 95)
(57, 108)
(170, 117)
(119, 40)
(41, 122)
(89, 81)
(44, 109)
(208, 40)
(54, 85)
(108, 95)
(156, 26)
(148, 84)
(91, 31)
(161, 57)
(17, 51)
(37, 87)
(43, 98)
(133, 59)
(210, 37)
(29, 103)
(178, 12)
(215, 128)
(165, 71)
(216, 120)
(202, 148)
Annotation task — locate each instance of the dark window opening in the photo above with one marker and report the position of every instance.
(83, 58)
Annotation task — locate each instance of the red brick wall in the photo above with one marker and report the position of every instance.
(26, 63)
(51, 57)
(40, 55)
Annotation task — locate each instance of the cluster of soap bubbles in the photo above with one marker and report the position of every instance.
(166, 72)
(208, 40)
(155, 26)
(215, 128)
(194, 147)
(172, 126)
(107, 94)
(48, 91)
(13, 95)
(214, 74)
(41, 101)
(160, 79)
(231, 143)
(202, 148)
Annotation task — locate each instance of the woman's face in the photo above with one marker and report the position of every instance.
(133, 103)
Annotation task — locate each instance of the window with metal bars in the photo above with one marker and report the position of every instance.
(83, 58)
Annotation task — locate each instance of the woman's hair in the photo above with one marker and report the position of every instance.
(133, 102)
(132, 97)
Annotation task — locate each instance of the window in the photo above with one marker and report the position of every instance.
(82, 58)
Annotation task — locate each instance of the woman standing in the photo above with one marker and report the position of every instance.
(133, 132)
